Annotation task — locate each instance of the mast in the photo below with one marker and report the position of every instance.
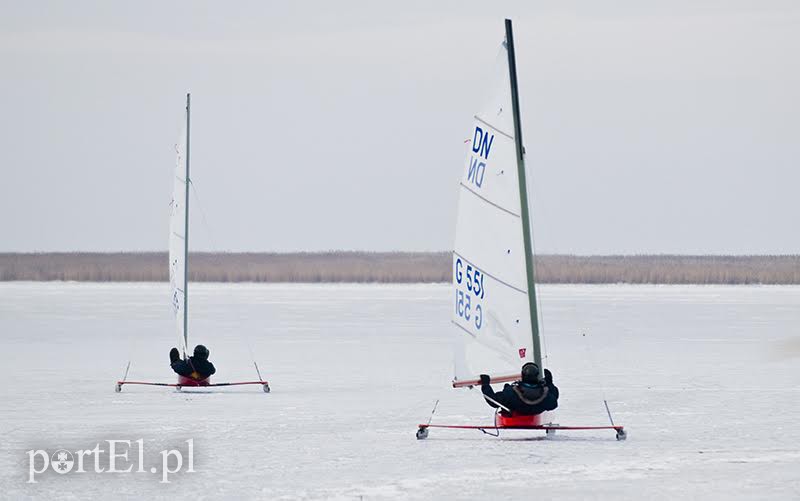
(186, 233)
(523, 197)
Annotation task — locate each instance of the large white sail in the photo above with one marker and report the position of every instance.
(177, 228)
(491, 310)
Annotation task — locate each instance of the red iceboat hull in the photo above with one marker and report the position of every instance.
(187, 381)
(518, 420)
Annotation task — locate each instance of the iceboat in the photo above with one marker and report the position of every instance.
(179, 267)
(494, 309)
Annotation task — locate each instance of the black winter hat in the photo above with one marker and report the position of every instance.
(201, 352)
(530, 373)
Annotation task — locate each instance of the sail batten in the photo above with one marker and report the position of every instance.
(496, 129)
(465, 331)
(489, 201)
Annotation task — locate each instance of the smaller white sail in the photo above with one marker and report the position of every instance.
(177, 228)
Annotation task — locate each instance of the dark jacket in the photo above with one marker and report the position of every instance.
(523, 398)
(195, 368)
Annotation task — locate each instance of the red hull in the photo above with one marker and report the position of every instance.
(518, 420)
(187, 381)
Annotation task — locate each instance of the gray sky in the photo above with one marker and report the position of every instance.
(651, 127)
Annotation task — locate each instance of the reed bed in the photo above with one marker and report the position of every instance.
(394, 267)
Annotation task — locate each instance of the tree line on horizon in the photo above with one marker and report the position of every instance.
(393, 267)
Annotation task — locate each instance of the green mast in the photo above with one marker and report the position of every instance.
(523, 196)
(186, 235)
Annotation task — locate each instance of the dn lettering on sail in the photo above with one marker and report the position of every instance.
(481, 147)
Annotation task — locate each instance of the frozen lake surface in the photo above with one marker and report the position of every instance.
(706, 380)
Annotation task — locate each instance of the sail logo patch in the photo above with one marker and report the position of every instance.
(522, 352)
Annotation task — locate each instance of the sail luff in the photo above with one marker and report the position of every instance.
(523, 195)
(186, 233)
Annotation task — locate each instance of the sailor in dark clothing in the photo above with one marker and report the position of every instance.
(196, 367)
(529, 396)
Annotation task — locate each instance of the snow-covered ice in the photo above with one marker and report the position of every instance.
(705, 379)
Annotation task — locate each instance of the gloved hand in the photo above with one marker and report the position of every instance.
(174, 355)
(484, 379)
(548, 376)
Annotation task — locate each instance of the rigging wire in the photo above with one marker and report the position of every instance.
(593, 366)
(206, 226)
(546, 356)
(216, 250)
(540, 318)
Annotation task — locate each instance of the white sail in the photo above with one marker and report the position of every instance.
(177, 227)
(491, 311)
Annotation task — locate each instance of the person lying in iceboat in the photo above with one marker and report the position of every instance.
(528, 397)
(196, 367)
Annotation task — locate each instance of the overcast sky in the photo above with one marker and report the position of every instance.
(651, 127)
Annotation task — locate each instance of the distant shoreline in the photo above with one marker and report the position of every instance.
(393, 267)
